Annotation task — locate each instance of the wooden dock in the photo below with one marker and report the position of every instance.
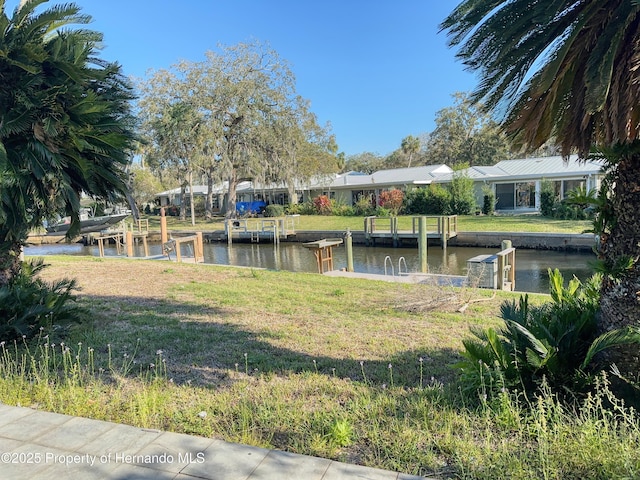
(256, 230)
(439, 227)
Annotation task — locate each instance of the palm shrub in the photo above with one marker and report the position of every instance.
(29, 304)
(556, 341)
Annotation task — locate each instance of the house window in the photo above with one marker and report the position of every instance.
(526, 194)
(357, 195)
(505, 196)
(511, 196)
(569, 185)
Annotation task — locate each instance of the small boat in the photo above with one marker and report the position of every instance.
(87, 223)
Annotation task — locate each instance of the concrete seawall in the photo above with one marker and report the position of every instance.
(538, 241)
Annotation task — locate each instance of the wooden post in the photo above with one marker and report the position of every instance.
(422, 244)
(129, 241)
(394, 231)
(445, 229)
(199, 248)
(349, 242)
(366, 232)
(163, 226)
(228, 225)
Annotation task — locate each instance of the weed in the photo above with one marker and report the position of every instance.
(340, 433)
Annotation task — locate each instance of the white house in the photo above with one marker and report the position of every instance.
(516, 183)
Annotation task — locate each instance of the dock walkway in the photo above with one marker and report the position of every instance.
(440, 227)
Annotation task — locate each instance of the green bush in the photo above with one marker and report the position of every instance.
(565, 210)
(488, 202)
(29, 304)
(554, 342)
(547, 198)
(305, 208)
(342, 210)
(382, 212)
(363, 207)
(273, 210)
(463, 198)
(433, 200)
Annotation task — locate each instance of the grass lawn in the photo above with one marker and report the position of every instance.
(466, 223)
(355, 370)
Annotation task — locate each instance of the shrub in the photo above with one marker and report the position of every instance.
(565, 210)
(391, 200)
(364, 207)
(554, 342)
(305, 208)
(322, 205)
(433, 200)
(383, 212)
(273, 210)
(463, 198)
(489, 201)
(547, 198)
(342, 210)
(28, 303)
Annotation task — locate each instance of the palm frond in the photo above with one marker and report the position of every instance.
(621, 336)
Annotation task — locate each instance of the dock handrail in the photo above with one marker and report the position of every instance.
(402, 260)
(443, 227)
(391, 264)
(507, 269)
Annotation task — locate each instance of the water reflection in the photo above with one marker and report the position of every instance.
(531, 265)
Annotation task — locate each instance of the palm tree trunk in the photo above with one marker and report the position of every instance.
(620, 294)
(10, 262)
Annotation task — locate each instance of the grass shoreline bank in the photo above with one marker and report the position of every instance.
(353, 370)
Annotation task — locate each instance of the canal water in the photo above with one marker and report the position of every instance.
(531, 265)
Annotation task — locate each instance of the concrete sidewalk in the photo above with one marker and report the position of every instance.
(40, 445)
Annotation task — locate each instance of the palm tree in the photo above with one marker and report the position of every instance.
(410, 145)
(569, 70)
(65, 123)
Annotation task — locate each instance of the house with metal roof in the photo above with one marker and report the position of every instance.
(517, 183)
(349, 187)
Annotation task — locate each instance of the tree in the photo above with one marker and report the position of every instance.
(366, 162)
(65, 123)
(145, 185)
(240, 119)
(465, 134)
(410, 146)
(175, 129)
(569, 70)
(245, 89)
(298, 148)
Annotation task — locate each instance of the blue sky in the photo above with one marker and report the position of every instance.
(376, 70)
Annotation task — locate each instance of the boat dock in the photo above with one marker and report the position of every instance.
(438, 227)
(256, 230)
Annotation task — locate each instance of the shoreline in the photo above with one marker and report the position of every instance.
(580, 242)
